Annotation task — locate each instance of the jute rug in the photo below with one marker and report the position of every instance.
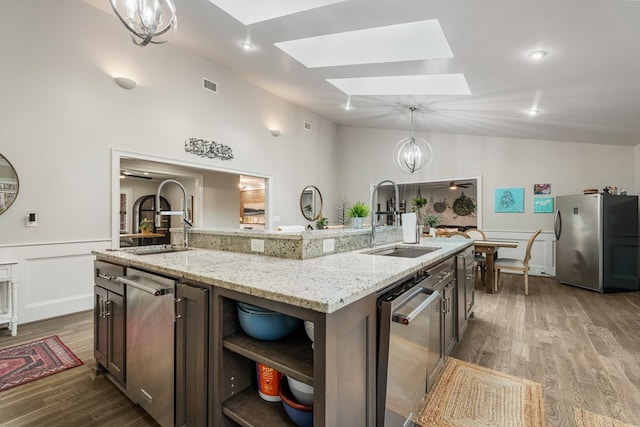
(589, 419)
(28, 362)
(468, 395)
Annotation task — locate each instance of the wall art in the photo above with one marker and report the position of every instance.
(541, 188)
(210, 149)
(509, 200)
(543, 205)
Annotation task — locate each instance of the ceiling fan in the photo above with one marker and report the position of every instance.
(453, 185)
(128, 174)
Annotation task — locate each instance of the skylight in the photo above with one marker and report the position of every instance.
(401, 42)
(250, 11)
(436, 84)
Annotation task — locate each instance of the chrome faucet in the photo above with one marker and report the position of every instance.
(374, 200)
(185, 222)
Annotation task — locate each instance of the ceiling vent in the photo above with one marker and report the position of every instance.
(307, 125)
(209, 85)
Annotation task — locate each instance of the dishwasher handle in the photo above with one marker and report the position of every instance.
(144, 285)
(406, 319)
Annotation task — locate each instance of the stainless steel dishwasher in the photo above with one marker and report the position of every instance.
(410, 347)
(150, 343)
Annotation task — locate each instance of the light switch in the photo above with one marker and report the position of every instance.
(32, 220)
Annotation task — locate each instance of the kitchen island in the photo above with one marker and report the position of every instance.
(336, 292)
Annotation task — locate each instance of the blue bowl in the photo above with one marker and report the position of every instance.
(268, 326)
(300, 414)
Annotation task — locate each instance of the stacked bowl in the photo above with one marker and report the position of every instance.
(263, 324)
(300, 414)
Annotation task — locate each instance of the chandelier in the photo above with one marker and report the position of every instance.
(412, 153)
(148, 21)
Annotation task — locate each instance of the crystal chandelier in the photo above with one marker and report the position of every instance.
(412, 153)
(148, 21)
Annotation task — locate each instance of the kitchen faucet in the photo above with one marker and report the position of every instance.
(185, 222)
(374, 200)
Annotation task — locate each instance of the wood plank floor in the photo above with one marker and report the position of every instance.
(584, 347)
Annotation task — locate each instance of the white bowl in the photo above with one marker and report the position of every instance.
(301, 391)
(308, 327)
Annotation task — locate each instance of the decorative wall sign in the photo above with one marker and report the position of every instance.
(210, 149)
(543, 205)
(510, 200)
(541, 188)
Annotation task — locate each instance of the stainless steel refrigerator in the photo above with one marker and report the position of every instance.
(597, 241)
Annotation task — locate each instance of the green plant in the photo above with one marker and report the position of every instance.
(417, 203)
(432, 220)
(322, 223)
(146, 224)
(358, 210)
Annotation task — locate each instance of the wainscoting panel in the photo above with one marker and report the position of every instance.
(542, 262)
(54, 279)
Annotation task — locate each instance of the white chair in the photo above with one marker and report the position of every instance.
(515, 264)
(476, 234)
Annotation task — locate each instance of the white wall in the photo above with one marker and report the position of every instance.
(501, 162)
(62, 115)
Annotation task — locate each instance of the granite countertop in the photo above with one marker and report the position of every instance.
(324, 284)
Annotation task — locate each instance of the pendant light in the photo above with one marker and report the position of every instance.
(412, 153)
(148, 21)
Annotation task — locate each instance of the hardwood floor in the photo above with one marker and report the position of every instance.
(584, 347)
(75, 397)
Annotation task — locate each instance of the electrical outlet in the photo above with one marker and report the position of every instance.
(328, 245)
(257, 245)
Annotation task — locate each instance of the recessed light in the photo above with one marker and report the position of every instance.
(246, 45)
(537, 54)
(533, 111)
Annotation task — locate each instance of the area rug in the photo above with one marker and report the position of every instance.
(589, 419)
(28, 362)
(468, 395)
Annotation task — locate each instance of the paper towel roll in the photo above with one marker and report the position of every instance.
(410, 228)
(291, 228)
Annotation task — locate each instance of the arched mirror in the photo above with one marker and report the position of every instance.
(311, 203)
(8, 184)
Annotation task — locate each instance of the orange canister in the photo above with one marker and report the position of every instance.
(268, 382)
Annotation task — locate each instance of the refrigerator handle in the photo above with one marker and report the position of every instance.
(557, 224)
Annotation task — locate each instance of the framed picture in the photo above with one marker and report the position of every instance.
(541, 188)
(509, 200)
(543, 205)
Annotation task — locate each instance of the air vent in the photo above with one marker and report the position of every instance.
(209, 85)
(307, 125)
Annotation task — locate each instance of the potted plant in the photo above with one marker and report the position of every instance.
(417, 204)
(322, 223)
(431, 221)
(146, 226)
(357, 212)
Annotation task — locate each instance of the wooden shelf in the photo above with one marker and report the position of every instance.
(249, 409)
(292, 356)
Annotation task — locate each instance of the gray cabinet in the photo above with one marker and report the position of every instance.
(110, 320)
(465, 289)
(192, 355)
(340, 367)
(448, 313)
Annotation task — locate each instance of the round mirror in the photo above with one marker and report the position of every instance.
(8, 184)
(311, 203)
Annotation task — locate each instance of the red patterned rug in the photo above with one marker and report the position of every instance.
(28, 362)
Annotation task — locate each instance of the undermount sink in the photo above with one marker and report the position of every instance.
(403, 251)
(156, 249)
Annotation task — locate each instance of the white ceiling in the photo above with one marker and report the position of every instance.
(586, 88)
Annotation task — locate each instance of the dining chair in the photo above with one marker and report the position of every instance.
(481, 260)
(515, 264)
(458, 234)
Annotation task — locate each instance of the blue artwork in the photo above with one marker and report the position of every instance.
(543, 205)
(509, 200)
